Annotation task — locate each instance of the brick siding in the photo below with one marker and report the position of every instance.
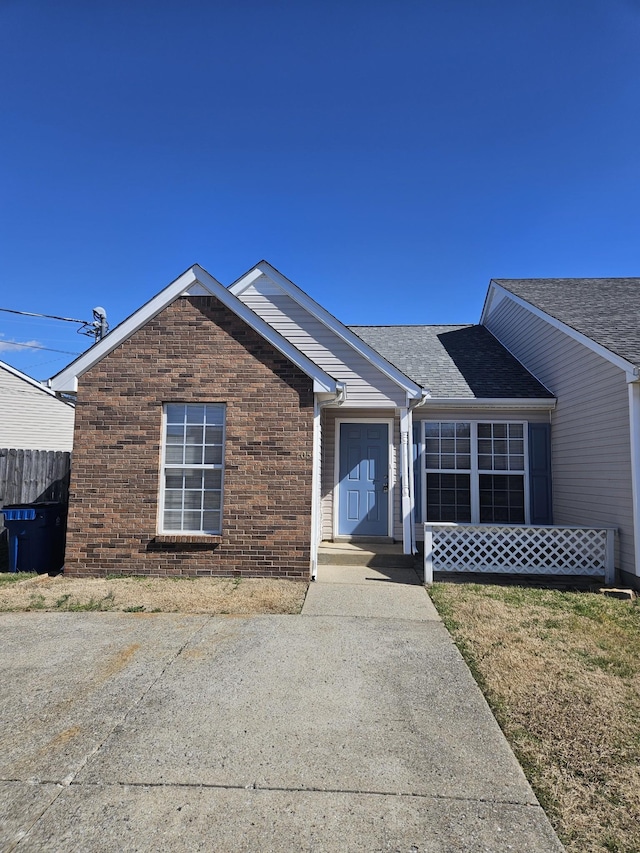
(196, 350)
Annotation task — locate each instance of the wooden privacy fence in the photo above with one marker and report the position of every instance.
(27, 476)
(506, 549)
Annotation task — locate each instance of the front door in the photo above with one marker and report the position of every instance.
(363, 499)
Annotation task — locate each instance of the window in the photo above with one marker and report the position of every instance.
(501, 448)
(448, 449)
(191, 499)
(475, 472)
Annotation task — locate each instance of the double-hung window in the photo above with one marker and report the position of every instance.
(475, 472)
(193, 467)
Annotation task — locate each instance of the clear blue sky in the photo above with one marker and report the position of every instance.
(388, 157)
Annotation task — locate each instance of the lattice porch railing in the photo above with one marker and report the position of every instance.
(519, 550)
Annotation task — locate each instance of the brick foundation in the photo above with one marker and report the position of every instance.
(196, 350)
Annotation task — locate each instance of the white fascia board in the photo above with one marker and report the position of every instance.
(67, 379)
(197, 282)
(496, 290)
(31, 381)
(245, 281)
(321, 380)
(412, 389)
(541, 403)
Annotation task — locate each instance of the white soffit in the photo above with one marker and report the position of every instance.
(194, 282)
(283, 285)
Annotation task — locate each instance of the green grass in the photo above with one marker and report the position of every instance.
(7, 578)
(67, 604)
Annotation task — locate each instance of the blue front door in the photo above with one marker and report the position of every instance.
(363, 499)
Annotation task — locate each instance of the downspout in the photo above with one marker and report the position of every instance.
(316, 471)
(406, 462)
(406, 499)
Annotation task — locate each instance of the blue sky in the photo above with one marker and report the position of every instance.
(388, 157)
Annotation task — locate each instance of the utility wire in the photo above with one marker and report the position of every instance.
(48, 316)
(97, 329)
(16, 345)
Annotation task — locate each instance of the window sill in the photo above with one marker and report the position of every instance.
(188, 538)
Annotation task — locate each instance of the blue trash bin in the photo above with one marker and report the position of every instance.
(36, 536)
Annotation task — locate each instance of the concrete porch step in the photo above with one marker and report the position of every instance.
(373, 554)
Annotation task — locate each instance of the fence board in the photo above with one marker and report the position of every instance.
(27, 476)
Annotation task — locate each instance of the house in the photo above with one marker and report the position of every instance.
(230, 430)
(581, 338)
(32, 418)
(36, 437)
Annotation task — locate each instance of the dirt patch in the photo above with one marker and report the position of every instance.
(216, 596)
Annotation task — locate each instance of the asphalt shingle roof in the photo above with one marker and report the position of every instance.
(453, 361)
(607, 310)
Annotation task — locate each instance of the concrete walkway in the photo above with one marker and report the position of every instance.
(353, 727)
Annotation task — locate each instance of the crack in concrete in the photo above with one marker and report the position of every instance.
(282, 789)
(69, 779)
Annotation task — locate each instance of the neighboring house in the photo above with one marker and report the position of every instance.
(36, 437)
(231, 430)
(32, 417)
(581, 338)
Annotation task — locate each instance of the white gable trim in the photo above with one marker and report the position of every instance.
(34, 382)
(194, 282)
(496, 291)
(413, 390)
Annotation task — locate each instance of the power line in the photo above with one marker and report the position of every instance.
(96, 329)
(48, 316)
(14, 346)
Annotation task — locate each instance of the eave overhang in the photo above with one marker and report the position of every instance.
(411, 388)
(536, 403)
(196, 281)
(496, 291)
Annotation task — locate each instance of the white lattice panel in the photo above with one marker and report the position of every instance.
(519, 550)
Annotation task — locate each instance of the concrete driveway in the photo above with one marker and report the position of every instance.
(353, 727)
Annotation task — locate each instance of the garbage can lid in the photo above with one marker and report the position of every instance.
(18, 514)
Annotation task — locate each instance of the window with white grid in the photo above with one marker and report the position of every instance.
(475, 471)
(448, 452)
(193, 468)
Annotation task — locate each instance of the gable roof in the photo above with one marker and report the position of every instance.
(278, 283)
(193, 282)
(605, 310)
(462, 361)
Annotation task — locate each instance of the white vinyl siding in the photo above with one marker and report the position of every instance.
(590, 441)
(366, 384)
(31, 418)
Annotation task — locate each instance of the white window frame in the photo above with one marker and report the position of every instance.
(164, 466)
(475, 472)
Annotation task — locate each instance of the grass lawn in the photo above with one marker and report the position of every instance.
(216, 596)
(561, 672)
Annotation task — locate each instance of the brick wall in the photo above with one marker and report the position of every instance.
(196, 350)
